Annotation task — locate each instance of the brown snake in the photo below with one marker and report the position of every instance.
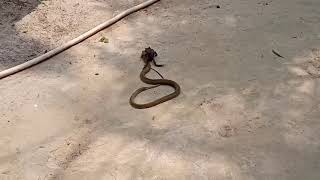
(148, 56)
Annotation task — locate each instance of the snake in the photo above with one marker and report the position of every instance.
(148, 57)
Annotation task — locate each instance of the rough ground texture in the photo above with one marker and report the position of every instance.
(244, 113)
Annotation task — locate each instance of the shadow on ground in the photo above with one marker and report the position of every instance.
(15, 49)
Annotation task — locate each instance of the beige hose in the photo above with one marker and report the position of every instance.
(75, 41)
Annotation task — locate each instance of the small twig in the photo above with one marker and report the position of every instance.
(276, 53)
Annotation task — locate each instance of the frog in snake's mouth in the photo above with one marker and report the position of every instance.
(148, 56)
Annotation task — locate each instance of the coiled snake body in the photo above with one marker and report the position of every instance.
(148, 56)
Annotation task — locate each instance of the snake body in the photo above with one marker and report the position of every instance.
(156, 83)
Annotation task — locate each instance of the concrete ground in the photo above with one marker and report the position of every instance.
(244, 113)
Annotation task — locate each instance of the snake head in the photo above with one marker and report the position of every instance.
(148, 55)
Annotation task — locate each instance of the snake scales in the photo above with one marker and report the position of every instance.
(148, 56)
